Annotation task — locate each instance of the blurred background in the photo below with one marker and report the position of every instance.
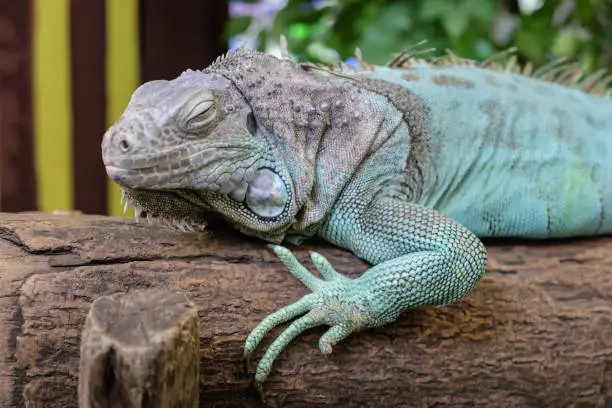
(69, 67)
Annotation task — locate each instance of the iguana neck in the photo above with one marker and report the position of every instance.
(322, 127)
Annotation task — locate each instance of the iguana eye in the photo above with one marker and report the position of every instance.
(201, 115)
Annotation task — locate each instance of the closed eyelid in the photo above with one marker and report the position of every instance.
(194, 102)
(202, 107)
(202, 115)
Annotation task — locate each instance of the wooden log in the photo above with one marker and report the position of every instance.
(536, 332)
(140, 349)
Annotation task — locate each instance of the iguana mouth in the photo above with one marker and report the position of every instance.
(176, 155)
(265, 195)
(170, 169)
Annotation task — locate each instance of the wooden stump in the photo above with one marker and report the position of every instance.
(140, 350)
(536, 332)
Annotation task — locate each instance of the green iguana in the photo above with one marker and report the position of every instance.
(405, 165)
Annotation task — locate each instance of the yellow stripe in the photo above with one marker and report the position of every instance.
(52, 105)
(122, 71)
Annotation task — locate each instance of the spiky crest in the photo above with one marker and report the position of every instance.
(559, 71)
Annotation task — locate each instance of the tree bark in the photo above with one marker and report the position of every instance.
(536, 332)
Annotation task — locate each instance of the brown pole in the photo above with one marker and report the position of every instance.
(17, 174)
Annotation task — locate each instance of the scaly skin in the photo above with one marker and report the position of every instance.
(404, 167)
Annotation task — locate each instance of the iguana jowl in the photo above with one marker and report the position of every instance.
(404, 166)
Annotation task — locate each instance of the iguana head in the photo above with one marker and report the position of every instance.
(243, 138)
(190, 146)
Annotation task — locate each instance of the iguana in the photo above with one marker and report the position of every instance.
(405, 165)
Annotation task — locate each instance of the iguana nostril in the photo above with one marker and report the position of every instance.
(124, 145)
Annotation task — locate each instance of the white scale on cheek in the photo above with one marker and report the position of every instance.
(267, 194)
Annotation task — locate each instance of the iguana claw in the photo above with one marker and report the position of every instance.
(335, 302)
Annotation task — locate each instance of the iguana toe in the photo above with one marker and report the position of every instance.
(336, 301)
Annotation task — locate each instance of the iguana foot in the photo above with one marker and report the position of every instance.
(336, 301)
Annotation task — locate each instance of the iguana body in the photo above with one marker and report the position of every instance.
(403, 167)
(514, 156)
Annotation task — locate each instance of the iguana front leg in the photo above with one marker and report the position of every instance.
(420, 258)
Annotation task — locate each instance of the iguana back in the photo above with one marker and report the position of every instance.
(512, 155)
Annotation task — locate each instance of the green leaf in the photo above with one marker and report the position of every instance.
(435, 9)
(457, 23)
(299, 31)
(481, 10)
(236, 25)
(567, 43)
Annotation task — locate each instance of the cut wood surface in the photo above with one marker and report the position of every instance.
(536, 332)
(140, 349)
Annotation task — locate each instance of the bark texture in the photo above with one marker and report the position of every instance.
(536, 332)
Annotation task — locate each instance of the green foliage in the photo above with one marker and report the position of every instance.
(579, 30)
